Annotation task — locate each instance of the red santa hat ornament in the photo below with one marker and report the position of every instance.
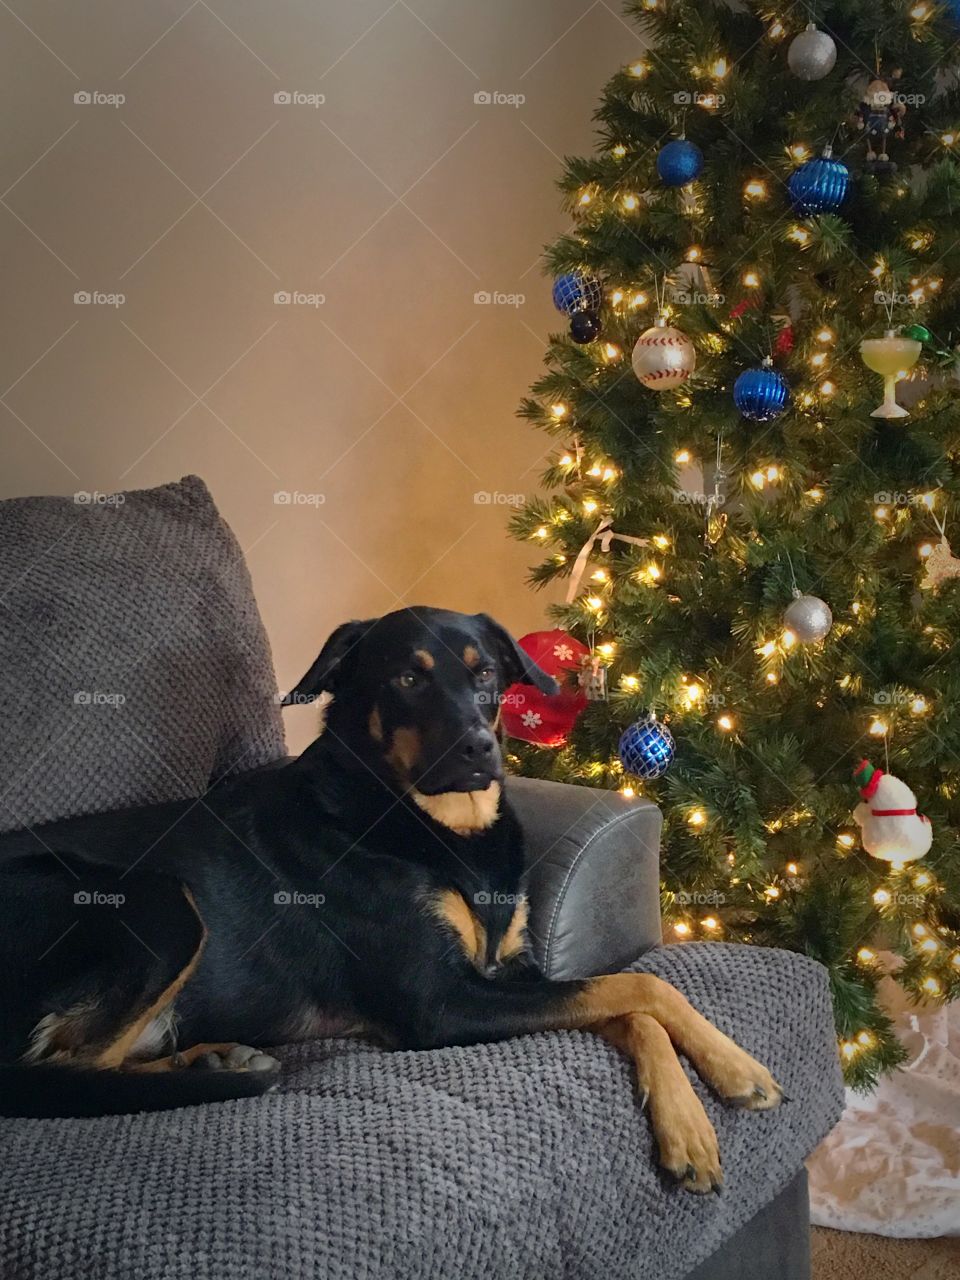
(540, 718)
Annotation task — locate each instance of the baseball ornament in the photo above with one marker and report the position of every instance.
(663, 357)
(890, 827)
(812, 54)
(541, 718)
(808, 617)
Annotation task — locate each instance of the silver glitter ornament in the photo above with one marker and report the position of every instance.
(808, 617)
(812, 54)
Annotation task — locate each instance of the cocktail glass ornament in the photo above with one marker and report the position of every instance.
(892, 356)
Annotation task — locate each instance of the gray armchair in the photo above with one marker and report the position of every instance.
(513, 1161)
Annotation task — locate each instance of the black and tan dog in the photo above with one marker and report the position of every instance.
(372, 886)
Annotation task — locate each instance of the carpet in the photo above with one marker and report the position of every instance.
(841, 1255)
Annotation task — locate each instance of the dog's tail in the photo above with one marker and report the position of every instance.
(52, 1091)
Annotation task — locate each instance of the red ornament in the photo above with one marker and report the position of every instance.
(783, 343)
(537, 717)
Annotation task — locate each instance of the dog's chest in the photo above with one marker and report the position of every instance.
(490, 927)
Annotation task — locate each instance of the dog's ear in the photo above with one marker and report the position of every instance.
(329, 667)
(517, 665)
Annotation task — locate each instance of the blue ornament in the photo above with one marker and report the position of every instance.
(819, 186)
(646, 749)
(679, 162)
(761, 394)
(573, 292)
(585, 327)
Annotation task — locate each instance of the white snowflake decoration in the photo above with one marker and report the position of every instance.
(531, 719)
(563, 652)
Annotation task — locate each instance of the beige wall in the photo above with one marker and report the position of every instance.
(199, 198)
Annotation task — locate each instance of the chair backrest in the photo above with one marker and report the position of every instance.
(134, 666)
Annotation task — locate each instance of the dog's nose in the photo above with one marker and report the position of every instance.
(477, 746)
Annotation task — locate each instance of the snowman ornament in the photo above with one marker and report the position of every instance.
(890, 827)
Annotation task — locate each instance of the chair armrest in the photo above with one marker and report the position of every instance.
(593, 875)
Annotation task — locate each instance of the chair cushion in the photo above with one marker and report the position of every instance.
(133, 662)
(526, 1159)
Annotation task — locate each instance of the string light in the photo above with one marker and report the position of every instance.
(920, 12)
(919, 930)
(639, 69)
(923, 880)
(865, 955)
(725, 723)
(799, 152)
(799, 235)
(931, 986)
(826, 335)
(777, 31)
(772, 678)
(827, 388)
(756, 189)
(930, 945)
(771, 892)
(590, 506)
(710, 922)
(682, 456)
(845, 840)
(865, 1039)
(881, 897)
(925, 550)
(719, 68)
(638, 300)
(877, 728)
(792, 869)
(541, 532)
(751, 280)
(600, 575)
(693, 254)
(595, 603)
(948, 139)
(814, 494)
(630, 682)
(558, 410)
(566, 460)
(606, 650)
(619, 151)
(919, 706)
(682, 928)
(661, 540)
(628, 792)
(848, 1049)
(585, 197)
(630, 202)
(696, 817)
(693, 693)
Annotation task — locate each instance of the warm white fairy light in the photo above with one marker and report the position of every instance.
(696, 817)
(682, 456)
(639, 69)
(630, 682)
(630, 202)
(725, 723)
(798, 151)
(881, 897)
(756, 189)
(682, 928)
(710, 922)
(590, 506)
(845, 840)
(558, 410)
(877, 727)
(627, 791)
(865, 955)
(751, 280)
(799, 235)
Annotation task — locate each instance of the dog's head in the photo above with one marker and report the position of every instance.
(416, 696)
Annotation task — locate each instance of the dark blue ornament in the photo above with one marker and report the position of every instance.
(646, 749)
(584, 326)
(819, 186)
(573, 292)
(679, 162)
(761, 394)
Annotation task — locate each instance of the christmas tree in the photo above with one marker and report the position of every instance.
(763, 258)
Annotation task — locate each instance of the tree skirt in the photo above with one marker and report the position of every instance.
(892, 1164)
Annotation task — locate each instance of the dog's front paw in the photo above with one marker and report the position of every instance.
(236, 1057)
(742, 1081)
(686, 1140)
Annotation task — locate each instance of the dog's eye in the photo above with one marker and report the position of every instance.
(486, 673)
(407, 679)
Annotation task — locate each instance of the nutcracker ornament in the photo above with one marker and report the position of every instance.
(880, 117)
(890, 827)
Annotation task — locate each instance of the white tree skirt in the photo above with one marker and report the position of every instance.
(892, 1164)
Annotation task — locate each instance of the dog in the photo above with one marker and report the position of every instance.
(373, 887)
